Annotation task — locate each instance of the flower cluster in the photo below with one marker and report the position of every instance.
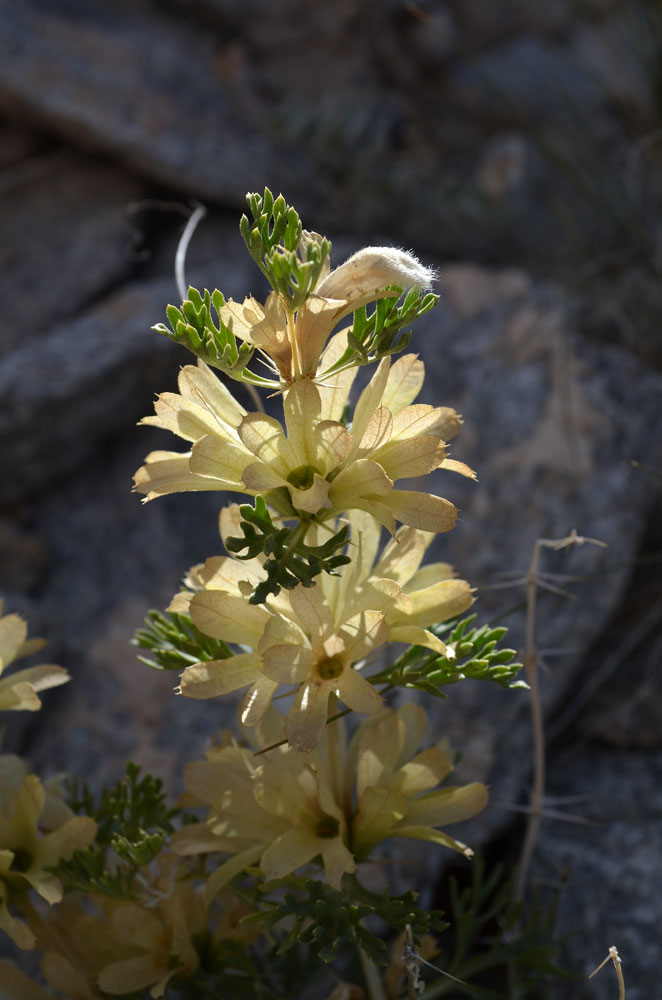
(316, 638)
(19, 690)
(336, 803)
(307, 605)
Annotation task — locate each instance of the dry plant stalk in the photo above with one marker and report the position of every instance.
(530, 658)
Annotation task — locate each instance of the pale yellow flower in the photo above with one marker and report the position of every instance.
(314, 637)
(292, 344)
(19, 691)
(283, 810)
(397, 795)
(315, 466)
(15, 985)
(280, 811)
(34, 836)
(162, 935)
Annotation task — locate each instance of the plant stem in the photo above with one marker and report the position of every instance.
(373, 980)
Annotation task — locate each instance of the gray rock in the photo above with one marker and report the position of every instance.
(611, 867)
(144, 88)
(484, 23)
(527, 77)
(89, 378)
(553, 421)
(66, 239)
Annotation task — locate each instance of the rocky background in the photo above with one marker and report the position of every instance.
(517, 147)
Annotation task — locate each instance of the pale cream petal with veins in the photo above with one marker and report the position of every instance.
(217, 677)
(405, 381)
(408, 459)
(228, 617)
(198, 383)
(359, 479)
(421, 510)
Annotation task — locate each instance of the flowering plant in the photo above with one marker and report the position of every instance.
(273, 845)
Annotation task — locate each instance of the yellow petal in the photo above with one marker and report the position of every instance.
(168, 472)
(369, 400)
(332, 445)
(378, 431)
(228, 617)
(217, 677)
(459, 467)
(13, 633)
(315, 322)
(185, 418)
(198, 383)
(257, 700)
(379, 811)
(357, 693)
(270, 333)
(19, 932)
(224, 573)
(40, 678)
(227, 871)
(335, 388)
(310, 607)
(447, 423)
(313, 499)
(302, 407)
(404, 383)
(421, 510)
(130, 975)
(362, 634)
(337, 861)
(18, 697)
(414, 636)
(434, 836)
(362, 478)
(448, 805)
(436, 604)
(410, 458)
(428, 576)
(414, 421)
(287, 664)
(425, 771)
(264, 437)
(223, 460)
(259, 477)
(403, 555)
(307, 716)
(16, 985)
(288, 852)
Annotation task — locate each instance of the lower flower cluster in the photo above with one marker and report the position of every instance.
(335, 804)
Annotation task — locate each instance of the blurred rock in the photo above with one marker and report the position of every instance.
(484, 23)
(471, 290)
(552, 423)
(502, 165)
(24, 559)
(528, 78)
(620, 55)
(92, 376)
(66, 239)
(607, 867)
(17, 144)
(142, 87)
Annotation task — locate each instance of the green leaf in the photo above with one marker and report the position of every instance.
(175, 643)
(289, 561)
(477, 655)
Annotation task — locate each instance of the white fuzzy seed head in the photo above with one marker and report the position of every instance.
(375, 267)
